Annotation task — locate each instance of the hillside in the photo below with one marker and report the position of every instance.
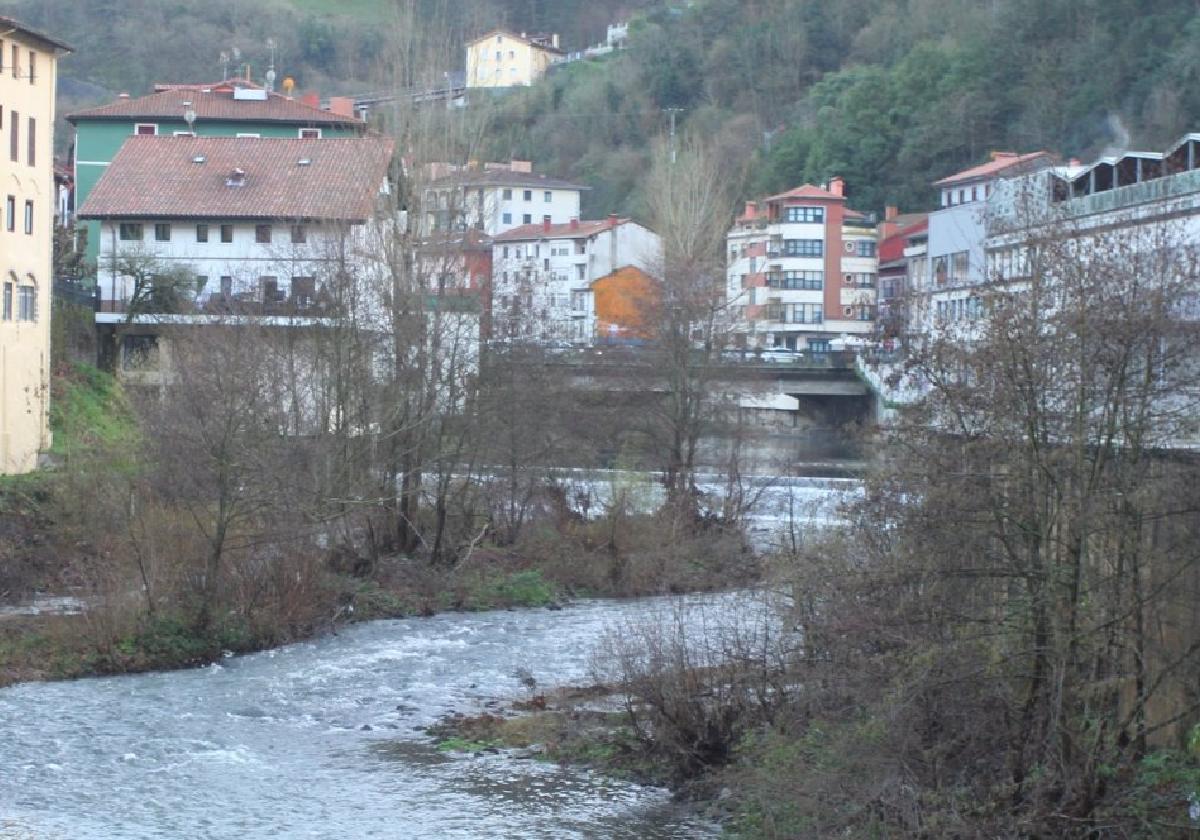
(890, 94)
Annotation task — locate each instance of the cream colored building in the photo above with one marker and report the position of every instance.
(28, 69)
(503, 59)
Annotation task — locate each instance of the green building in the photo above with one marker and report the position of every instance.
(233, 108)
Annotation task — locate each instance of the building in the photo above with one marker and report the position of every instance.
(900, 252)
(626, 303)
(503, 59)
(28, 74)
(955, 244)
(258, 225)
(802, 270)
(233, 108)
(497, 198)
(543, 274)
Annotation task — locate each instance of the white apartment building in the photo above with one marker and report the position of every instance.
(542, 274)
(497, 198)
(946, 295)
(263, 221)
(802, 270)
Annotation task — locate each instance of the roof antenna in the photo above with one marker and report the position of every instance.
(224, 61)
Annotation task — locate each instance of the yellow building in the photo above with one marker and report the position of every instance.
(28, 69)
(504, 59)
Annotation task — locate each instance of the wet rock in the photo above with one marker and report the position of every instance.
(366, 727)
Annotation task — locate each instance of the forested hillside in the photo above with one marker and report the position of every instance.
(889, 94)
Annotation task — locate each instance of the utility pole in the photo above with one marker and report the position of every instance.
(673, 112)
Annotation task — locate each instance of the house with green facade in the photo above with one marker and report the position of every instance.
(233, 108)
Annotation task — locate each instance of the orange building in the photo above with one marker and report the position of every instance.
(625, 302)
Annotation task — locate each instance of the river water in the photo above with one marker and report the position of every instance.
(320, 740)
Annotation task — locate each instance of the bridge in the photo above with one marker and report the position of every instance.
(804, 374)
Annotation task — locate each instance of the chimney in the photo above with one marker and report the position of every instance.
(525, 166)
(891, 213)
(613, 220)
(751, 209)
(837, 185)
(574, 223)
(1073, 162)
(343, 106)
(546, 224)
(554, 40)
(311, 98)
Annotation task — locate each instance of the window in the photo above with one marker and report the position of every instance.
(262, 234)
(547, 196)
(16, 57)
(805, 280)
(304, 290)
(226, 286)
(1, 55)
(861, 279)
(527, 219)
(130, 231)
(804, 247)
(32, 152)
(504, 252)
(507, 218)
(796, 313)
(8, 300)
(528, 196)
(201, 233)
(941, 270)
(545, 265)
(183, 133)
(805, 215)
(32, 67)
(250, 134)
(299, 234)
(269, 288)
(960, 265)
(14, 137)
(226, 233)
(27, 304)
(545, 220)
(162, 232)
(10, 214)
(145, 129)
(864, 248)
(508, 195)
(310, 134)
(139, 351)
(29, 217)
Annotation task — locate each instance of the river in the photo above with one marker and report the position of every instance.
(322, 739)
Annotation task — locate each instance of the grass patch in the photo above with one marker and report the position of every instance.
(88, 411)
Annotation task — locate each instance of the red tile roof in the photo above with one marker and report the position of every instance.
(806, 191)
(186, 178)
(578, 230)
(999, 163)
(212, 104)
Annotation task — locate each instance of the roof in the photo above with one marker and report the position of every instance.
(210, 104)
(892, 248)
(576, 230)
(509, 178)
(540, 42)
(186, 178)
(806, 191)
(33, 34)
(1000, 162)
